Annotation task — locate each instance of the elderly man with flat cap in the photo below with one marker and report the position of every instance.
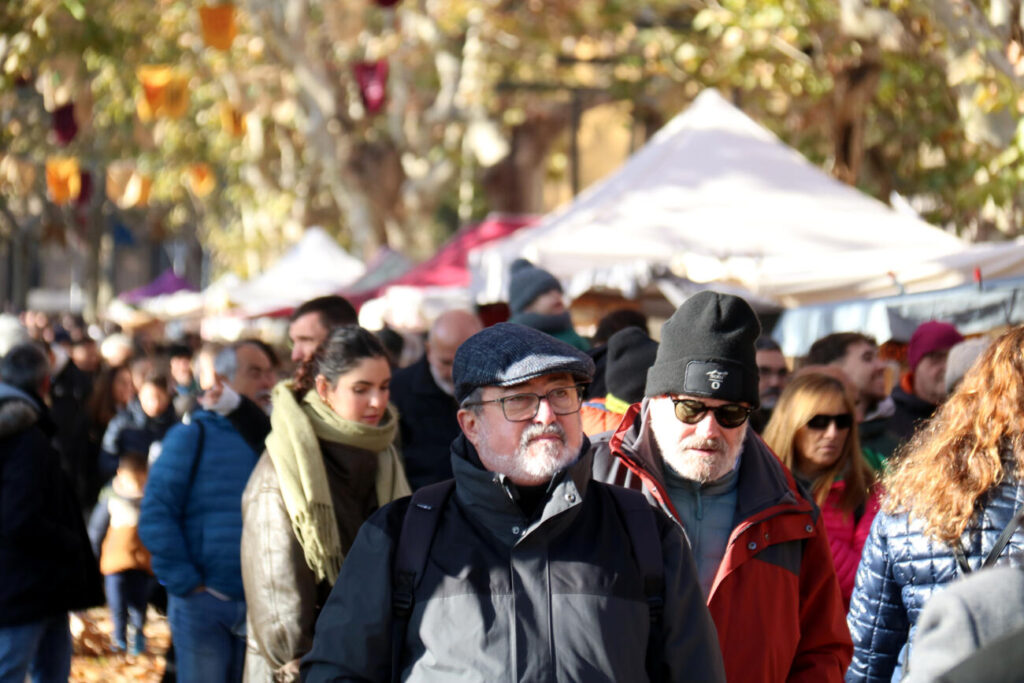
(522, 568)
(762, 555)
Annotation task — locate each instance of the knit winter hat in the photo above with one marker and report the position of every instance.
(507, 354)
(707, 349)
(930, 337)
(527, 283)
(630, 354)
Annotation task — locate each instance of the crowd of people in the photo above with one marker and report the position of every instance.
(520, 503)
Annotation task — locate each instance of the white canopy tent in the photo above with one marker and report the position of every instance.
(315, 266)
(718, 198)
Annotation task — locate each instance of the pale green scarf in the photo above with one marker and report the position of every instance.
(294, 449)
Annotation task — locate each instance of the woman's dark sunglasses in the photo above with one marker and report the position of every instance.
(821, 422)
(730, 415)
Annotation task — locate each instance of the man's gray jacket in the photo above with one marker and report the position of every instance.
(503, 598)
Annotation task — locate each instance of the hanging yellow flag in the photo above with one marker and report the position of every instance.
(200, 179)
(218, 24)
(17, 175)
(232, 120)
(63, 179)
(126, 187)
(164, 92)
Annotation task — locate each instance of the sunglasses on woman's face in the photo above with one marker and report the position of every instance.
(821, 422)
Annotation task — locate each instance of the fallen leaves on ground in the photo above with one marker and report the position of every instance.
(94, 658)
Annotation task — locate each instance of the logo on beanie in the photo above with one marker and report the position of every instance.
(716, 377)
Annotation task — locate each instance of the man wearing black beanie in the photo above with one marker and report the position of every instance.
(762, 555)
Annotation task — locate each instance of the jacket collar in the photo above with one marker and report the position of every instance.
(492, 499)
(20, 410)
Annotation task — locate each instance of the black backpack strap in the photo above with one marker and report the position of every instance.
(1008, 531)
(418, 527)
(646, 541)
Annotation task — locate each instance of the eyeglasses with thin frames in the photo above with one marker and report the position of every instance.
(730, 415)
(524, 407)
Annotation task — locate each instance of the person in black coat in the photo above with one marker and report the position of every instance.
(69, 393)
(46, 563)
(423, 393)
(151, 412)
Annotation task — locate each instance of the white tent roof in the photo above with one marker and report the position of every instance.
(315, 266)
(719, 198)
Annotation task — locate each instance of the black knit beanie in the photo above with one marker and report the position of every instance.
(630, 354)
(527, 283)
(707, 349)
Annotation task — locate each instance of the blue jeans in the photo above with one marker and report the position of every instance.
(126, 594)
(209, 637)
(40, 648)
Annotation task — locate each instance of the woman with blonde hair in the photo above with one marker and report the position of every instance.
(813, 431)
(330, 463)
(951, 505)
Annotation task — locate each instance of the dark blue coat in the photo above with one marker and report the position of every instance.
(192, 526)
(901, 568)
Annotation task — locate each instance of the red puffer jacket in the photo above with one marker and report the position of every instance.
(846, 535)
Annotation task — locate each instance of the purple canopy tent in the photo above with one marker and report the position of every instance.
(166, 283)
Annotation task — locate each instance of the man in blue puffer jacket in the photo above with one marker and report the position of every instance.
(191, 518)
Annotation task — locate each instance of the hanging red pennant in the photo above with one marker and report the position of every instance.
(372, 78)
(85, 190)
(64, 124)
(387, 3)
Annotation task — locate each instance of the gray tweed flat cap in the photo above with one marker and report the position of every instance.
(507, 354)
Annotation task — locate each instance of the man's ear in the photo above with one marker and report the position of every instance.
(469, 422)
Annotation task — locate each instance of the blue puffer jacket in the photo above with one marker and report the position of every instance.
(195, 535)
(901, 568)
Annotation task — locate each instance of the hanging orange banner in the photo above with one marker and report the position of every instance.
(126, 187)
(164, 92)
(63, 179)
(218, 24)
(200, 179)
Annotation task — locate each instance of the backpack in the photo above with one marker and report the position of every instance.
(417, 535)
(993, 555)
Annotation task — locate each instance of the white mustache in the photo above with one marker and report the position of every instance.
(702, 444)
(535, 431)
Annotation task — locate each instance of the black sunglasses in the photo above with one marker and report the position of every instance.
(730, 415)
(821, 422)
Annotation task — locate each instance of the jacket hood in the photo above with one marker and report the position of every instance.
(19, 410)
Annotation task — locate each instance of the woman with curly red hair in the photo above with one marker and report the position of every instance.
(952, 492)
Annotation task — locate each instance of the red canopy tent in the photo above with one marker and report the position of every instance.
(449, 266)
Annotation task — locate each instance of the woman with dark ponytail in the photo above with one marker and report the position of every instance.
(330, 462)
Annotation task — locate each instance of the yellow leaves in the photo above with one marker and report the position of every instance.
(218, 25)
(63, 179)
(164, 92)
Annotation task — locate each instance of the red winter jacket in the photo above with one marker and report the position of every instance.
(775, 600)
(846, 536)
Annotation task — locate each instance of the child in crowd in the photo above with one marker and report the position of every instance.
(114, 532)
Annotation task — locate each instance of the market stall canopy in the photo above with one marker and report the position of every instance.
(165, 283)
(315, 266)
(973, 309)
(718, 198)
(449, 267)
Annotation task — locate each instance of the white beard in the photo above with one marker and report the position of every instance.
(534, 462)
(694, 466)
